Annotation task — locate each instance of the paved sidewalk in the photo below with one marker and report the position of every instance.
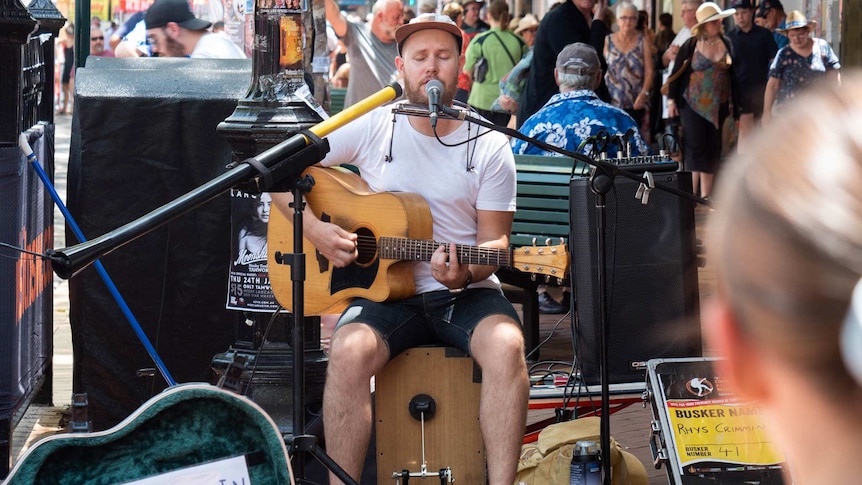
(62, 391)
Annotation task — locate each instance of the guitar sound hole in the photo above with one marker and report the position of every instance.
(367, 246)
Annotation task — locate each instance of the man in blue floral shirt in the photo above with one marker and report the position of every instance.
(573, 118)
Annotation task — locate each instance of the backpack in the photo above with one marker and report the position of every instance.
(480, 68)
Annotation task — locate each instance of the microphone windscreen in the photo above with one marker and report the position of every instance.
(434, 83)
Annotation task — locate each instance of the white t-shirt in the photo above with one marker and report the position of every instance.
(216, 46)
(420, 164)
(683, 35)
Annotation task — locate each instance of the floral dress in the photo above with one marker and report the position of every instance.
(797, 72)
(625, 76)
(708, 87)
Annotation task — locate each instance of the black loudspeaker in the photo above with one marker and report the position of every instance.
(652, 287)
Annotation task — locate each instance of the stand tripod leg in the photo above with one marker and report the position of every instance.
(302, 442)
(308, 444)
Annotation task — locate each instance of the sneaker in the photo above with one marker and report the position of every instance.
(549, 305)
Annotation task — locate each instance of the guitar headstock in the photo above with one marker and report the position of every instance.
(552, 261)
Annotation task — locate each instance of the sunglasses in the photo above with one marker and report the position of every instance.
(97, 38)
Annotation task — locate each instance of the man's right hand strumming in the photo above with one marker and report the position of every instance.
(340, 247)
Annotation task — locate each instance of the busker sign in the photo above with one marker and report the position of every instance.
(714, 431)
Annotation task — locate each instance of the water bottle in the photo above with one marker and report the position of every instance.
(585, 469)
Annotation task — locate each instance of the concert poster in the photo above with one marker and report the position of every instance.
(290, 55)
(248, 280)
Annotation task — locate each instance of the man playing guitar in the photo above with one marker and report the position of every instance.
(469, 183)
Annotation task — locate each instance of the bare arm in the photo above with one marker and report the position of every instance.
(126, 49)
(333, 15)
(643, 96)
(669, 55)
(769, 98)
(493, 231)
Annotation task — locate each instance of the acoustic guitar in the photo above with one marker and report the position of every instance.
(394, 233)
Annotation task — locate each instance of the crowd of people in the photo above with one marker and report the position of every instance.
(168, 28)
(723, 78)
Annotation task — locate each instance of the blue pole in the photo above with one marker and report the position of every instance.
(112, 288)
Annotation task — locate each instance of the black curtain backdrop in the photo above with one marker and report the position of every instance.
(144, 133)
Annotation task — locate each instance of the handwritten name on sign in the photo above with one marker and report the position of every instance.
(722, 431)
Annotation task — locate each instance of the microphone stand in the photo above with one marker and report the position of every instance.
(601, 183)
(279, 166)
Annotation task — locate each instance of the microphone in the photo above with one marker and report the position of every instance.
(433, 89)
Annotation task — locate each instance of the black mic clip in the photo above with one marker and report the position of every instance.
(283, 175)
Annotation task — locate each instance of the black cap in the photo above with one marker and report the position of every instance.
(767, 5)
(741, 4)
(163, 11)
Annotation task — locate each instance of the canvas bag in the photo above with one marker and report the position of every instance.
(548, 460)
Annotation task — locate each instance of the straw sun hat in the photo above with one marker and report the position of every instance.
(796, 20)
(528, 22)
(708, 12)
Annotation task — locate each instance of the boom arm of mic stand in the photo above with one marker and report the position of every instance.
(68, 262)
(608, 168)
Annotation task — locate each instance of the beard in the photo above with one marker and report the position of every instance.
(416, 94)
(173, 48)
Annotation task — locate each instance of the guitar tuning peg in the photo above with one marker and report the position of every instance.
(562, 240)
(532, 276)
(547, 279)
(548, 242)
(534, 242)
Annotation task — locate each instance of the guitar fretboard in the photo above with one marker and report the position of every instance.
(421, 250)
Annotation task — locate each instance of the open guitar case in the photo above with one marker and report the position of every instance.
(184, 426)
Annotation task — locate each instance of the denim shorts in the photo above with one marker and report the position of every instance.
(433, 317)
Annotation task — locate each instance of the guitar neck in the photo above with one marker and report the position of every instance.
(421, 250)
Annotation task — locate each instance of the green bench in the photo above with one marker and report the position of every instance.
(336, 100)
(542, 214)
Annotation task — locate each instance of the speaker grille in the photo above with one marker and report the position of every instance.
(652, 300)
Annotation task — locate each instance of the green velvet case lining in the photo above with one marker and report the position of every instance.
(185, 425)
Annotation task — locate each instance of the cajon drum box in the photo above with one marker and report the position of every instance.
(452, 436)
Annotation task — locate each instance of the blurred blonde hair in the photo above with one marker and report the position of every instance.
(453, 10)
(787, 234)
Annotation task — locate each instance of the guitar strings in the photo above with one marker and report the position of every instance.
(369, 244)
